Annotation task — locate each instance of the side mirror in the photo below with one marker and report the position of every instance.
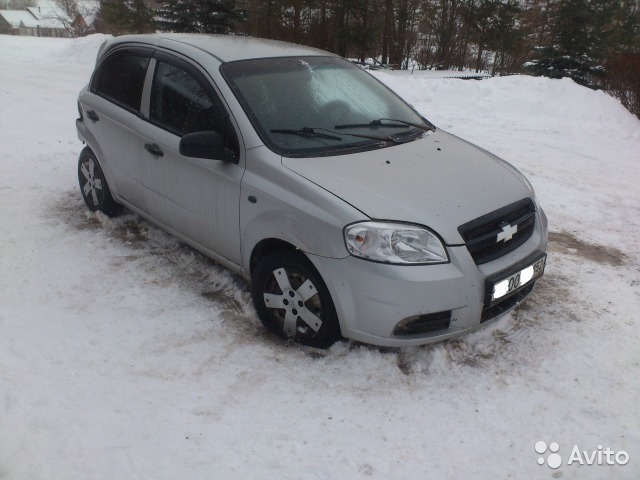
(206, 145)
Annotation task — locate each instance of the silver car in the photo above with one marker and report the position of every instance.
(350, 213)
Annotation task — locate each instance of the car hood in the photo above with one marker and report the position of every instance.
(439, 181)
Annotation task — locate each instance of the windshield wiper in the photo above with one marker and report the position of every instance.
(378, 123)
(313, 132)
(306, 132)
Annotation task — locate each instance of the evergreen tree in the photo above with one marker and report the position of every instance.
(124, 16)
(200, 16)
(505, 35)
(622, 78)
(581, 34)
(141, 18)
(628, 17)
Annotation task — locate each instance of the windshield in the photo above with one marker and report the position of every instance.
(296, 103)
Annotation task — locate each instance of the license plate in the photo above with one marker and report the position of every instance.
(505, 286)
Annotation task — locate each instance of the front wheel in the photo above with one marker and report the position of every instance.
(293, 301)
(93, 185)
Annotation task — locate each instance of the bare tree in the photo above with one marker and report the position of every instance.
(70, 7)
(61, 16)
(70, 15)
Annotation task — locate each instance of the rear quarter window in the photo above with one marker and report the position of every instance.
(120, 78)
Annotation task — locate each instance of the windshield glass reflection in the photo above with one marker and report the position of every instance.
(282, 95)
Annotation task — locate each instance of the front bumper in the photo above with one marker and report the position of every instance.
(373, 298)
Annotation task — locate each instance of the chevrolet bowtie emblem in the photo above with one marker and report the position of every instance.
(507, 233)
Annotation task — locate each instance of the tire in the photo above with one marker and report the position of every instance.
(292, 300)
(93, 185)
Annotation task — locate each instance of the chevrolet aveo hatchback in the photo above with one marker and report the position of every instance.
(348, 211)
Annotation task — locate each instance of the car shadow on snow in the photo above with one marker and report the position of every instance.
(187, 266)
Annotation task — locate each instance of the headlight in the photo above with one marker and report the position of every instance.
(394, 243)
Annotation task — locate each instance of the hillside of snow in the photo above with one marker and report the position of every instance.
(125, 354)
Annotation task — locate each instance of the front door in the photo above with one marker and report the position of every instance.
(195, 197)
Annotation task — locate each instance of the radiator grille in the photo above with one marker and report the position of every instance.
(500, 232)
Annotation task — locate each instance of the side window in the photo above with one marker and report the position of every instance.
(178, 102)
(182, 103)
(121, 78)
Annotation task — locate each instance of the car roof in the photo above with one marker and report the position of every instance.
(226, 48)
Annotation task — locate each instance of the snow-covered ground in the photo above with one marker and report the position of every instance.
(124, 354)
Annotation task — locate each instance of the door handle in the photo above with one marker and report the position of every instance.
(153, 149)
(93, 116)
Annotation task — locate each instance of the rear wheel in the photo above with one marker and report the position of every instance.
(93, 185)
(293, 301)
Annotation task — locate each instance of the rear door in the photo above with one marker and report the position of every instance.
(112, 114)
(195, 197)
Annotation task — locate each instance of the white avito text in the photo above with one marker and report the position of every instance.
(600, 456)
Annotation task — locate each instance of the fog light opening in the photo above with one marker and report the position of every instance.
(431, 322)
